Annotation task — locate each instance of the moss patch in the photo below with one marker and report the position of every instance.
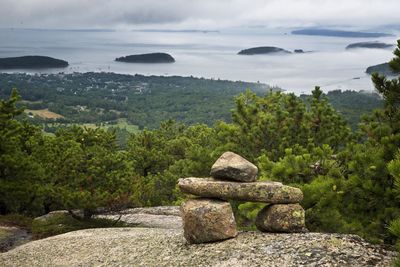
(16, 220)
(63, 223)
(5, 234)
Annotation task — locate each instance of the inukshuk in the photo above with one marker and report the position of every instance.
(210, 217)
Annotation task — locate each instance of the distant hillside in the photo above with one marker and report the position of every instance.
(141, 100)
(147, 58)
(373, 45)
(31, 62)
(351, 104)
(383, 68)
(146, 101)
(263, 50)
(339, 33)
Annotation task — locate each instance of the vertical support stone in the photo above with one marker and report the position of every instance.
(207, 220)
(289, 218)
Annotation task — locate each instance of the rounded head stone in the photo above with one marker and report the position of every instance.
(231, 166)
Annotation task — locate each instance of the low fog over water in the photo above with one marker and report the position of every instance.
(209, 55)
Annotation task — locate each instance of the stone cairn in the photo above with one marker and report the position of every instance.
(210, 217)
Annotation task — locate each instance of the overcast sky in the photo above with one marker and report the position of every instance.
(204, 14)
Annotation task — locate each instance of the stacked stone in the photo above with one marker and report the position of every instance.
(210, 217)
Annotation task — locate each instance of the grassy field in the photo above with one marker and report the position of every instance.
(121, 124)
(43, 113)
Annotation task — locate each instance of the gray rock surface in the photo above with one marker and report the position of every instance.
(288, 218)
(167, 247)
(267, 192)
(160, 210)
(167, 217)
(52, 214)
(207, 220)
(231, 166)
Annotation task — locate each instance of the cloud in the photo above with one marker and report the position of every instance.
(195, 13)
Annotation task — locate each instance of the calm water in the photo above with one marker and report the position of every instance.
(209, 55)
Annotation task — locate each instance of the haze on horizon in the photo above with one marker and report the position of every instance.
(206, 14)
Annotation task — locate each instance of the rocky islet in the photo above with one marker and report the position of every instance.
(209, 216)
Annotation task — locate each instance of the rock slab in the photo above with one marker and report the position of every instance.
(288, 218)
(166, 247)
(207, 220)
(266, 192)
(231, 166)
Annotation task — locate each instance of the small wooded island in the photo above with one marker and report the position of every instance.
(374, 45)
(147, 58)
(263, 50)
(31, 62)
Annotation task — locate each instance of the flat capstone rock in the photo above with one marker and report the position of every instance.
(265, 192)
(231, 166)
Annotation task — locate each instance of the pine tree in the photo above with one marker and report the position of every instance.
(21, 184)
(370, 200)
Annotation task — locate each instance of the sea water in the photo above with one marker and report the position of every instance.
(207, 54)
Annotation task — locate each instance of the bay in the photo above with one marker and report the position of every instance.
(207, 54)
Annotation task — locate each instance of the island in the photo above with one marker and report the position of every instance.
(383, 69)
(31, 62)
(263, 50)
(339, 33)
(373, 45)
(147, 58)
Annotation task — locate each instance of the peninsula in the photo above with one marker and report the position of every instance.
(383, 69)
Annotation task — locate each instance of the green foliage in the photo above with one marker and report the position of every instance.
(246, 214)
(78, 168)
(20, 173)
(164, 155)
(260, 122)
(322, 202)
(87, 170)
(327, 126)
(394, 228)
(270, 124)
(395, 62)
(353, 105)
(370, 196)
